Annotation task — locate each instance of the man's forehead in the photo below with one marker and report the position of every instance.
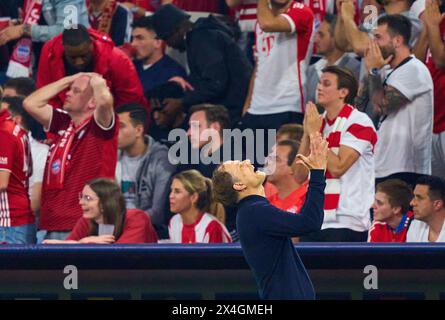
(229, 164)
(324, 26)
(381, 196)
(81, 82)
(381, 28)
(421, 189)
(142, 31)
(81, 49)
(328, 76)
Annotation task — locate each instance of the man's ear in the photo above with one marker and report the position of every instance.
(238, 186)
(159, 44)
(438, 204)
(398, 210)
(140, 129)
(344, 93)
(91, 104)
(216, 126)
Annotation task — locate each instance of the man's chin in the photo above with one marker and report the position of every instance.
(261, 176)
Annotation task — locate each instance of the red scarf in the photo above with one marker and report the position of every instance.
(59, 159)
(333, 188)
(103, 21)
(20, 61)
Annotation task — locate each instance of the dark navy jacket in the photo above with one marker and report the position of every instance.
(265, 234)
(159, 73)
(219, 71)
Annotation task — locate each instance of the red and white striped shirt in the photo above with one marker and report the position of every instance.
(15, 157)
(356, 185)
(246, 15)
(206, 230)
(283, 58)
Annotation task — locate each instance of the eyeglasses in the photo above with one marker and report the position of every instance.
(85, 197)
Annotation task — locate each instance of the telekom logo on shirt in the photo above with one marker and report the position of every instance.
(3, 160)
(267, 43)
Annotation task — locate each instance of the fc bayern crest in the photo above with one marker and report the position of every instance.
(55, 167)
(23, 52)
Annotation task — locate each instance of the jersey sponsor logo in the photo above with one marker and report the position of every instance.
(4, 160)
(55, 167)
(267, 43)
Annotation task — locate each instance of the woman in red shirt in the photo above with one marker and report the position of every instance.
(104, 211)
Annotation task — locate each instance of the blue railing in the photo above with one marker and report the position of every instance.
(217, 257)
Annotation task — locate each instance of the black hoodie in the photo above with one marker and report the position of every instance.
(219, 71)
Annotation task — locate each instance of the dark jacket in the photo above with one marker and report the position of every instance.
(219, 70)
(265, 234)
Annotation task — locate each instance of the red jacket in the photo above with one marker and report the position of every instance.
(109, 61)
(137, 229)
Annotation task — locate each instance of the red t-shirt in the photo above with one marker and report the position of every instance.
(15, 157)
(93, 154)
(382, 232)
(293, 202)
(438, 75)
(137, 229)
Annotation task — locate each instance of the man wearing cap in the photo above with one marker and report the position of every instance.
(219, 70)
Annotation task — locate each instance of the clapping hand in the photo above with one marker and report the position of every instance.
(318, 158)
(432, 16)
(312, 119)
(374, 57)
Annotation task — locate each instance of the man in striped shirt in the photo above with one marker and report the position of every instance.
(351, 135)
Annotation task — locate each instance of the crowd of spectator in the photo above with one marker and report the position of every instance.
(115, 114)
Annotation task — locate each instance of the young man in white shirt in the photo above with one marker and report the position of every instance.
(284, 36)
(350, 173)
(401, 91)
(429, 211)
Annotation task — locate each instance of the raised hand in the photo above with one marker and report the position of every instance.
(432, 16)
(312, 119)
(347, 9)
(374, 58)
(318, 158)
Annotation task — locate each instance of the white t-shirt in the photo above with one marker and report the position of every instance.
(419, 231)
(405, 136)
(129, 167)
(39, 153)
(282, 62)
(357, 183)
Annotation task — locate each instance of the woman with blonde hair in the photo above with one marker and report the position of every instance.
(198, 218)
